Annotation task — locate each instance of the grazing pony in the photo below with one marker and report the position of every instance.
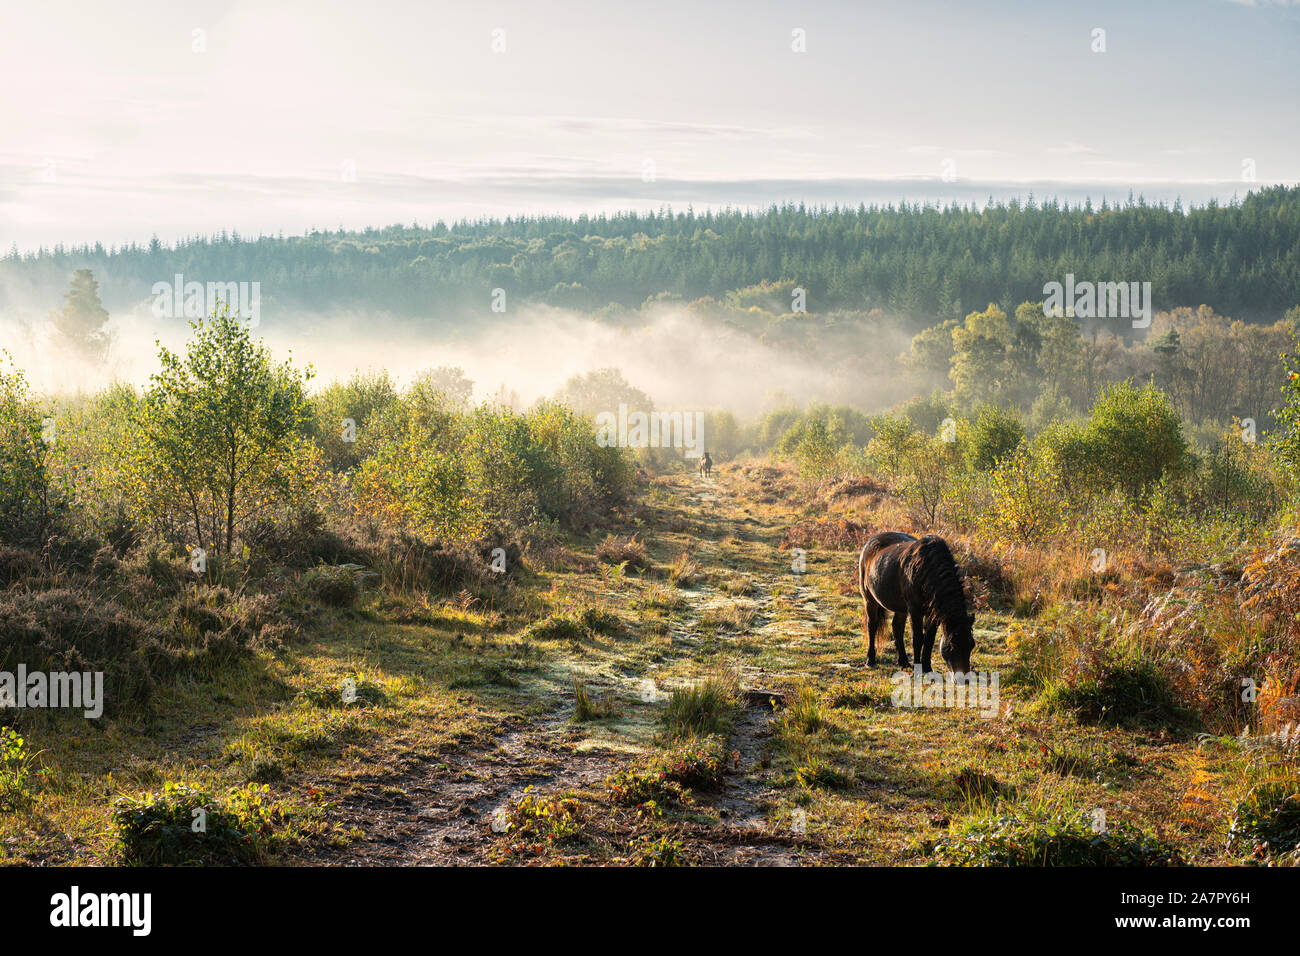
(915, 579)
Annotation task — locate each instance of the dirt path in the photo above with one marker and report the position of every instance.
(751, 740)
(442, 811)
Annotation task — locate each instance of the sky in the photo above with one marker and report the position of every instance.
(176, 118)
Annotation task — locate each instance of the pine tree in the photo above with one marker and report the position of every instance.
(79, 325)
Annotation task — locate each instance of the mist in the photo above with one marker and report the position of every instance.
(681, 359)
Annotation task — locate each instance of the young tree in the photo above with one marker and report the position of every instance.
(79, 325)
(990, 437)
(895, 438)
(24, 480)
(221, 426)
(979, 360)
(345, 416)
(1132, 439)
(1286, 441)
(450, 380)
(1061, 358)
(602, 390)
(930, 356)
(929, 467)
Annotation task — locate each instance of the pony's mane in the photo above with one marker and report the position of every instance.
(934, 566)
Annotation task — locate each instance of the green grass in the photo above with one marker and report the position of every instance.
(703, 708)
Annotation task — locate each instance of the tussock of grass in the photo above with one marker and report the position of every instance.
(685, 572)
(803, 713)
(574, 626)
(587, 706)
(977, 786)
(555, 627)
(732, 618)
(818, 771)
(1084, 760)
(738, 585)
(704, 708)
(858, 694)
(660, 598)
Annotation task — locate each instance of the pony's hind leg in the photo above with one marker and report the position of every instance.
(871, 615)
(900, 627)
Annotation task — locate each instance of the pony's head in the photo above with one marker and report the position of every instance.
(958, 641)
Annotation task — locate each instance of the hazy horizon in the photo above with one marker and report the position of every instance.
(199, 117)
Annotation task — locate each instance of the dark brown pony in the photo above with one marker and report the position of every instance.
(916, 579)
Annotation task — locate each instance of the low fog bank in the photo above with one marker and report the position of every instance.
(679, 358)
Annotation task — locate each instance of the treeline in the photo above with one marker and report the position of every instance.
(1242, 259)
(1213, 369)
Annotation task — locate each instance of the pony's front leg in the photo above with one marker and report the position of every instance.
(927, 645)
(920, 653)
(900, 625)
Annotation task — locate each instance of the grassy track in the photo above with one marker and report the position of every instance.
(462, 712)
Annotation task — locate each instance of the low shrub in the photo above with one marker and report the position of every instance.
(1267, 820)
(188, 826)
(68, 630)
(697, 764)
(628, 552)
(538, 818)
(657, 851)
(15, 770)
(337, 585)
(635, 787)
(1123, 693)
(1030, 838)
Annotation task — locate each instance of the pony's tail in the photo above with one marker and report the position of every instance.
(867, 598)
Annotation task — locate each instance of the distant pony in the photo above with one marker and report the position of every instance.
(706, 465)
(917, 580)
